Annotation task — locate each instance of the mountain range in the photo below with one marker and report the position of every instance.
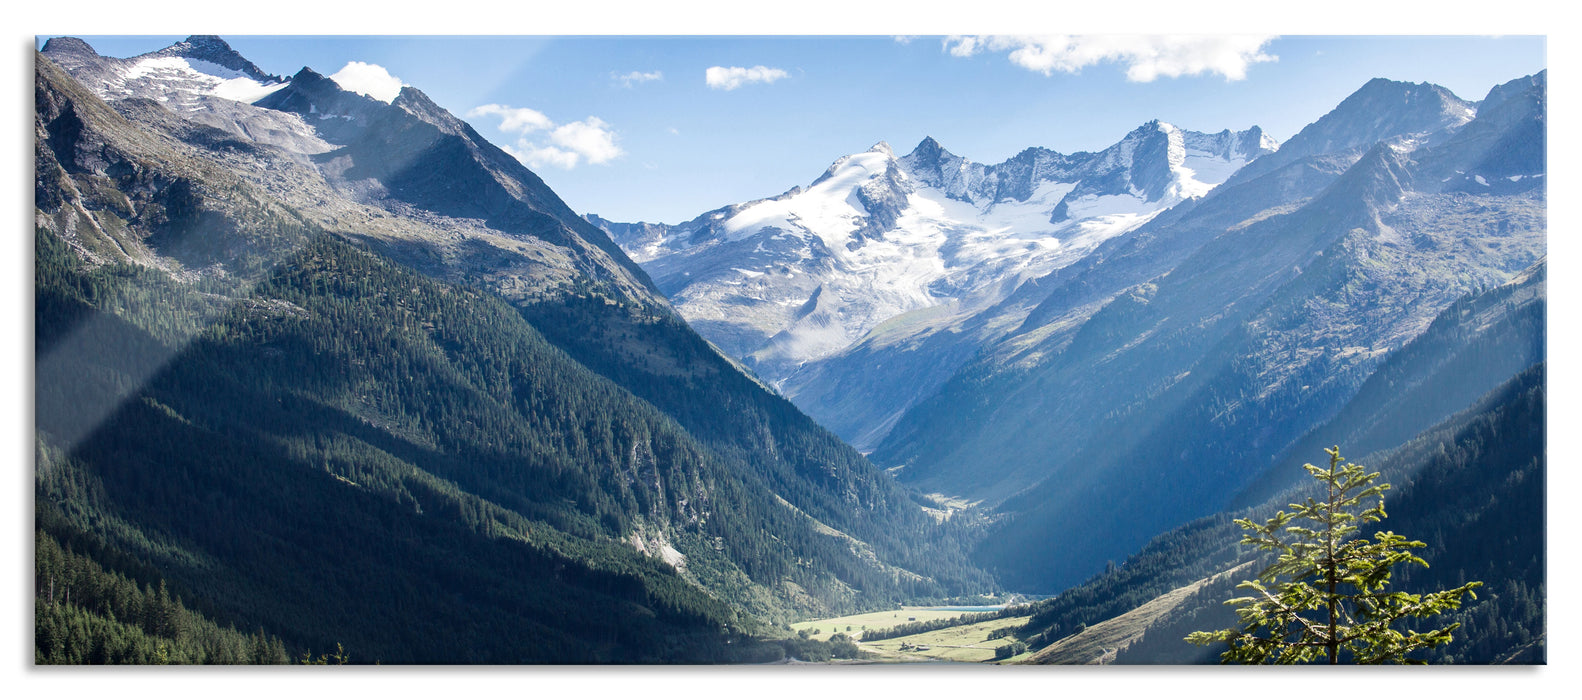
(1059, 334)
(884, 250)
(322, 373)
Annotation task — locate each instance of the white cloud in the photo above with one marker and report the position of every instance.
(590, 138)
(1146, 57)
(636, 77)
(536, 156)
(722, 78)
(543, 143)
(961, 46)
(368, 79)
(516, 119)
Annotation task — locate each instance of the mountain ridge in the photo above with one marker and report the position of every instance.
(796, 284)
(1278, 320)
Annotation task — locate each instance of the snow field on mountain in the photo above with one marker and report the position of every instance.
(1202, 171)
(829, 209)
(181, 75)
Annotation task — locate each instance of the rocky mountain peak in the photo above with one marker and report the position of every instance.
(1379, 110)
(928, 148)
(316, 96)
(68, 45)
(213, 49)
(1499, 94)
(414, 102)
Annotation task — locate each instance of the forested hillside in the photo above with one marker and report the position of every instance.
(1471, 488)
(321, 445)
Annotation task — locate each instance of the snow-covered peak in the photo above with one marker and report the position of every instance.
(182, 75)
(804, 275)
(860, 196)
(829, 208)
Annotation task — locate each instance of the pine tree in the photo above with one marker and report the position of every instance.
(1326, 596)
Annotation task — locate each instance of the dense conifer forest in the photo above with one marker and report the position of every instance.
(412, 456)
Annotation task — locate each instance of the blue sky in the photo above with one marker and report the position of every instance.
(630, 127)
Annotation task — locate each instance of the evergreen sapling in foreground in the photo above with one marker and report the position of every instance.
(1326, 596)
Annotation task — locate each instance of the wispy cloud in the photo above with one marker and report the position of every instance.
(543, 143)
(722, 78)
(635, 77)
(368, 79)
(1147, 58)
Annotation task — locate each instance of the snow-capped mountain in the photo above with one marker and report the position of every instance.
(792, 279)
(1172, 366)
(180, 75)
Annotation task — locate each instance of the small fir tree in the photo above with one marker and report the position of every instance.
(1326, 596)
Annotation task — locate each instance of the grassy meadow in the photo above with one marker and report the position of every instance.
(964, 643)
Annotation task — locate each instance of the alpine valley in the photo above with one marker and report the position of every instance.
(327, 376)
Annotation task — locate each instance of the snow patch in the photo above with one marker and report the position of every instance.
(245, 90)
(200, 77)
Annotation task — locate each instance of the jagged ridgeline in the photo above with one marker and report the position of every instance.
(321, 412)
